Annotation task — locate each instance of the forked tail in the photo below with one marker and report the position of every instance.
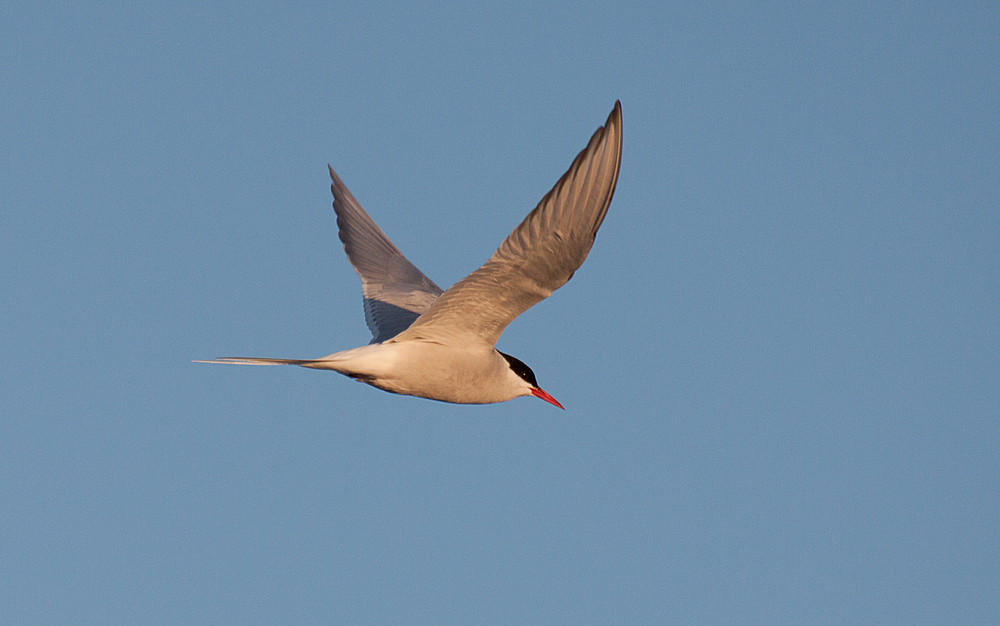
(346, 362)
(241, 360)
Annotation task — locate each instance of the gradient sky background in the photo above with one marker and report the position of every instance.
(781, 362)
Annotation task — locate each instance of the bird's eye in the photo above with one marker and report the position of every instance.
(523, 371)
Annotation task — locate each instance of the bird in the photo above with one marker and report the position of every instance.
(440, 345)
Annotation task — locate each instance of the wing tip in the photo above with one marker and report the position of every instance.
(615, 119)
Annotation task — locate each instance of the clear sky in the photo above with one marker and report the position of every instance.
(780, 363)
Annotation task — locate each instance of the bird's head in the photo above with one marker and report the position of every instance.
(526, 380)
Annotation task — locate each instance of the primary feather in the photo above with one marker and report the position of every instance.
(539, 256)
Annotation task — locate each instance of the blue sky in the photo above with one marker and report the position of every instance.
(780, 363)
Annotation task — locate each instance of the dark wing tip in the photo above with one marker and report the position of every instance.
(615, 117)
(615, 120)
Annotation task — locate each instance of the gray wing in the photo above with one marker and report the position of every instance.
(539, 256)
(395, 292)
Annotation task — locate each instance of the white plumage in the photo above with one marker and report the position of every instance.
(440, 345)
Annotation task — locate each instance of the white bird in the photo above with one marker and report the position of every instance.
(440, 345)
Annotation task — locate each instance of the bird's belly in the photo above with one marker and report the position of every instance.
(429, 370)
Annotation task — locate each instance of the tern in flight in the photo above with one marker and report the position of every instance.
(440, 345)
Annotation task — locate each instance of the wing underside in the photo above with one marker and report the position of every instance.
(395, 292)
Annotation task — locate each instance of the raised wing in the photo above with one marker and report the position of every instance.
(395, 292)
(538, 257)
